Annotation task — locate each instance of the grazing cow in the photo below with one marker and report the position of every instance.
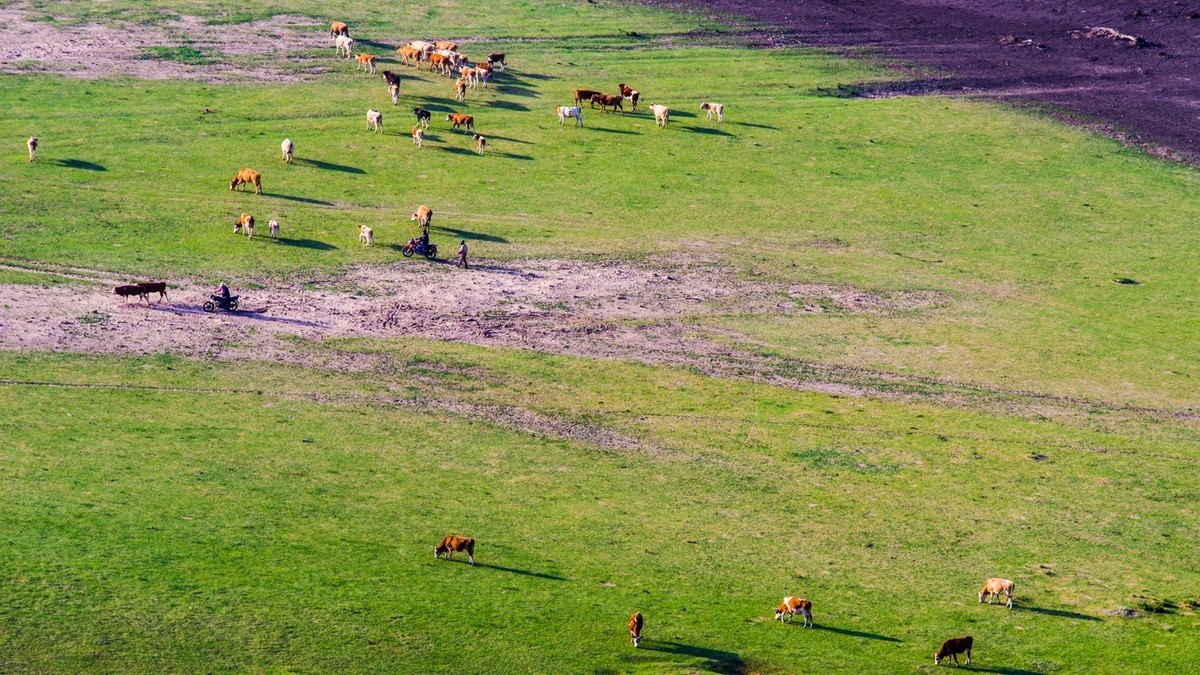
(273, 228)
(338, 28)
(418, 136)
(662, 114)
(635, 628)
(447, 45)
(407, 53)
(394, 90)
(423, 216)
(452, 544)
(32, 145)
(366, 235)
(480, 143)
(247, 177)
(343, 44)
(994, 588)
(717, 109)
(570, 111)
(244, 224)
(439, 63)
(288, 148)
(496, 59)
(366, 62)
(460, 90)
(605, 100)
(953, 647)
(423, 116)
(159, 287)
(375, 121)
(629, 94)
(792, 606)
(582, 95)
(129, 290)
(459, 120)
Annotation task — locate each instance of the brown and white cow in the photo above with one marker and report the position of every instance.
(996, 587)
(496, 59)
(717, 109)
(629, 94)
(953, 647)
(244, 225)
(273, 228)
(480, 143)
(247, 177)
(366, 62)
(635, 628)
(418, 135)
(460, 120)
(366, 235)
(460, 90)
(790, 607)
(32, 145)
(446, 44)
(452, 544)
(423, 216)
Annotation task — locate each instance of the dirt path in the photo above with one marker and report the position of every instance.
(1035, 51)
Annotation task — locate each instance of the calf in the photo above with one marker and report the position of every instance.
(159, 287)
(366, 235)
(952, 648)
(273, 228)
(662, 114)
(582, 95)
(496, 59)
(367, 62)
(244, 224)
(460, 120)
(423, 216)
(247, 177)
(418, 135)
(129, 290)
(343, 44)
(32, 145)
(452, 544)
(790, 607)
(423, 116)
(635, 628)
(570, 111)
(338, 28)
(714, 109)
(609, 101)
(288, 148)
(375, 121)
(394, 90)
(409, 53)
(480, 143)
(460, 90)
(629, 94)
(994, 588)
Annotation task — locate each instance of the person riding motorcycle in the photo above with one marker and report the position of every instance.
(222, 296)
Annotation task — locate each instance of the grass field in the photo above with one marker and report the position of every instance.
(169, 514)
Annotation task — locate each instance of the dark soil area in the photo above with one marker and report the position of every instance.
(1144, 84)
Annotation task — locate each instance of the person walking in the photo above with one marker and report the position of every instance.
(462, 255)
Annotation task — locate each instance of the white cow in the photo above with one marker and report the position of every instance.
(662, 114)
(343, 44)
(288, 148)
(570, 111)
(375, 121)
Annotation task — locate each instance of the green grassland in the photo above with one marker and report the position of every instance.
(173, 515)
(201, 516)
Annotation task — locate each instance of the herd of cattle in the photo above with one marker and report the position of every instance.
(790, 606)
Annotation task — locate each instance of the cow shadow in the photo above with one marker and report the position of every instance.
(511, 155)
(757, 126)
(492, 137)
(708, 131)
(467, 234)
(1002, 670)
(526, 76)
(520, 91)
(302, 200)
(1061, 613)
(507, 105)
(376, 45)
(525, 573)
(615, 131)
(435, 105)
(432, 137)
(456, 150)
(307, 243)
(77, 164)
(856, 633)
(326, 166)
(719, 661)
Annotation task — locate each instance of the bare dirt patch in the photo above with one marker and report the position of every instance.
(94, 50)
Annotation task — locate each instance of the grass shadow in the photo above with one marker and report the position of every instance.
(709, 131)
(77, 164)
(307, 243)
(525, 573)
(507, 105)
(302, 200)
(467, 234)
(718, 661)
(1061, 613)
(326, 166)
(856, 633)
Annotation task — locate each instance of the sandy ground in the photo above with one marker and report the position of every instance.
(1026, 51)
(99, 50)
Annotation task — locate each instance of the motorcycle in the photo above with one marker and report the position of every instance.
(414, 246)
(217, 302)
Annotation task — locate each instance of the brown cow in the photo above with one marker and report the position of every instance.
(953, 647)
(994, 588)
(423, 216)
(439, 63)
(131, 289)
(247, 177)
(582, 95)
(408, 52)
(446, 44)
(459, 119)
(790, 607)
(367, 60)
(245, 224)
(635, 628)
(451, 543)
(159, 287)
(338, 28)
(605, 100)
